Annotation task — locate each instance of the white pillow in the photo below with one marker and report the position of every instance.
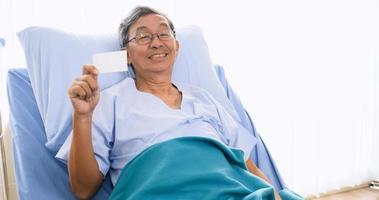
(54, 58)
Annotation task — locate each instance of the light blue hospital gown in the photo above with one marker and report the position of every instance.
(127, 121)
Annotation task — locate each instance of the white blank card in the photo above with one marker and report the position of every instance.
(114, 61)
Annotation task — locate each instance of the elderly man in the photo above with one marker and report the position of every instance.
(137, 114)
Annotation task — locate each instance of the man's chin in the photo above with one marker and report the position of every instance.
(160, 66)
(161, 69)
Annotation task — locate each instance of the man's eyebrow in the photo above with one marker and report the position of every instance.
(145, 28)
(141, 28)
(165, 25)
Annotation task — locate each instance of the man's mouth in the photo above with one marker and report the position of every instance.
(158, 56)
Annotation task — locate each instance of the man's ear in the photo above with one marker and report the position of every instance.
(128, 56)
(177, 45)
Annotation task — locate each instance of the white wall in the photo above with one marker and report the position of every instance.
(307, 72)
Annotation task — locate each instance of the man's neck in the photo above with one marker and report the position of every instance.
(158, 86)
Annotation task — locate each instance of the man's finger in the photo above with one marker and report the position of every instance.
(85, 86)
(90, 70)
(77, 92)
(90, 81)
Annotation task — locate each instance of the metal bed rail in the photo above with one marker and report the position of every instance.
(4, 173)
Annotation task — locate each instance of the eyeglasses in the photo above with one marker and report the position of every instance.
(146, 38)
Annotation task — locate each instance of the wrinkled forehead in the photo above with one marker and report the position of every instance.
(151, 22)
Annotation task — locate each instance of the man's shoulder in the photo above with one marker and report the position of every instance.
(118, 92)
(119, 88)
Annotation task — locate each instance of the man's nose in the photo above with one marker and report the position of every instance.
(156, 42)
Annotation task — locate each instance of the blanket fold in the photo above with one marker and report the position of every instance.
(190, 168)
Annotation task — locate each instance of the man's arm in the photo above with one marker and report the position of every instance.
(84, 173)
(85, 176)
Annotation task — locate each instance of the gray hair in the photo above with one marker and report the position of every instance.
(134, 15)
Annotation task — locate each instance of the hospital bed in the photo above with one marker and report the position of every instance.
(39, 175)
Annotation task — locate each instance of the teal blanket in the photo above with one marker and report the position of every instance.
(190, 168)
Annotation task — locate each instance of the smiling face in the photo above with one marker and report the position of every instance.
(157, 56)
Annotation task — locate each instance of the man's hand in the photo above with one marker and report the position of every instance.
(256, 171)
(84, 91)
